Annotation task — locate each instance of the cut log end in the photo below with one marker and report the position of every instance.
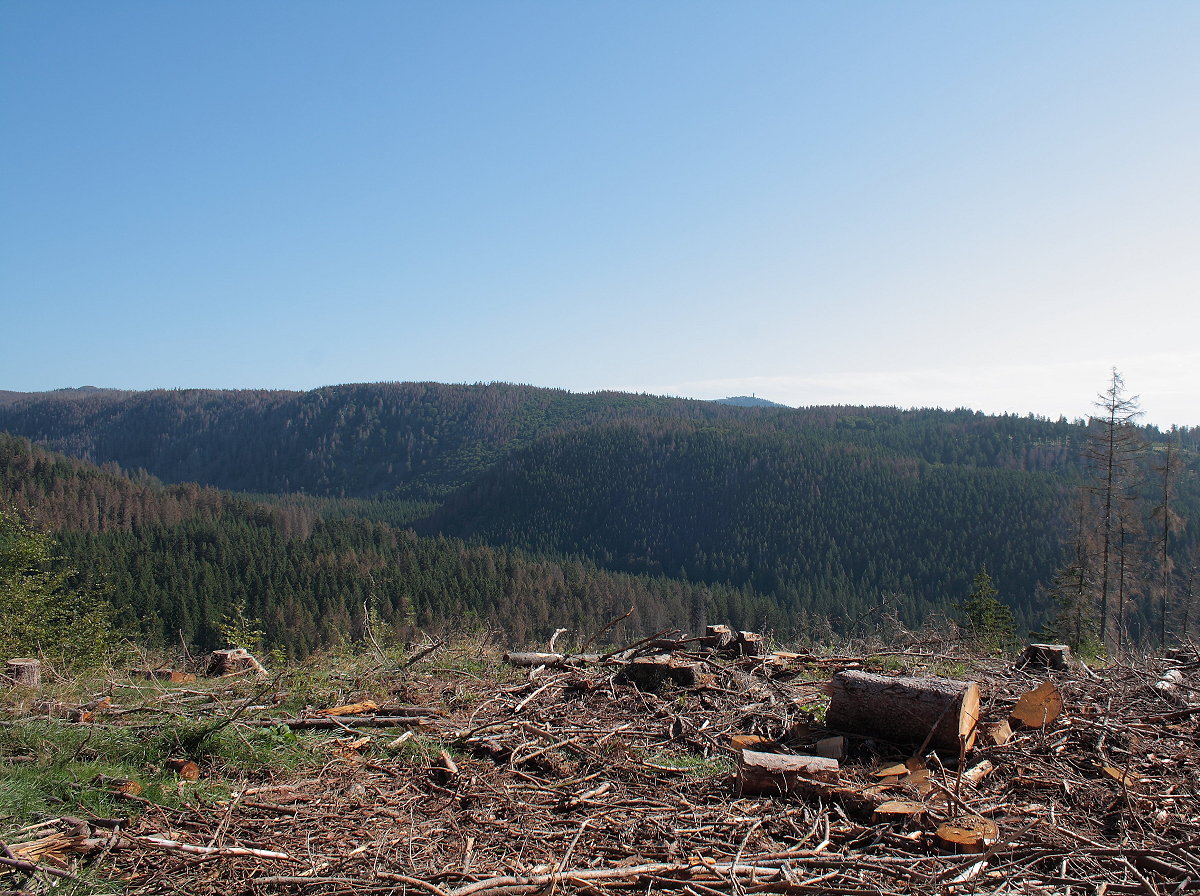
(1039, 707)
(967, 834)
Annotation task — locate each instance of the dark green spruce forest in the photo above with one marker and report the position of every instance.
(421, 506)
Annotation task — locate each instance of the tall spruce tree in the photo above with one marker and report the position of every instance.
(1113, 449)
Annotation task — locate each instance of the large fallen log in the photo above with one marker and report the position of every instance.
(925, 712)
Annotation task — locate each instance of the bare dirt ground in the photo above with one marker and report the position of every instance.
(506, 781)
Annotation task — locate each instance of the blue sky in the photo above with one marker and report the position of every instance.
(917, 204)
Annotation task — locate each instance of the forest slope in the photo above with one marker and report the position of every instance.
(177, 561)
(828, 512)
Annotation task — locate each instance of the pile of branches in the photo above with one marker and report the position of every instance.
(573, 777)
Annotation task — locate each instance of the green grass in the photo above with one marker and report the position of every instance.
(695, 766)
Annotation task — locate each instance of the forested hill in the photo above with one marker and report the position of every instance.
(418, 439)
(177, 561)
(825, 511)
(827, 524)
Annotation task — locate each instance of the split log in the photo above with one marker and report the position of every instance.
(1170, 685)
(899, 812)
(809, 777)
(977, 773)
(1047, 656)
(446, 768)
(24, 672)
(229, 662)
(652, 672)
(780, 773)
(937, 712)
(831, 747)
(739, 742)
(351, 709)
(996, 734)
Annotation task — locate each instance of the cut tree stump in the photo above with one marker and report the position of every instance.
(24, 671)
(1047, 656)
(230, 662)
(751, 644)
(717, 637)
(939, 712)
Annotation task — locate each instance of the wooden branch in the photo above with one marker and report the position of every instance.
(331, 722)
(193, 849)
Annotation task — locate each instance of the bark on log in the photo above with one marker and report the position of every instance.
(781, 773)
(228, 662)
(342, 722)
(940, 712)
(24, 671)
(518, 658)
